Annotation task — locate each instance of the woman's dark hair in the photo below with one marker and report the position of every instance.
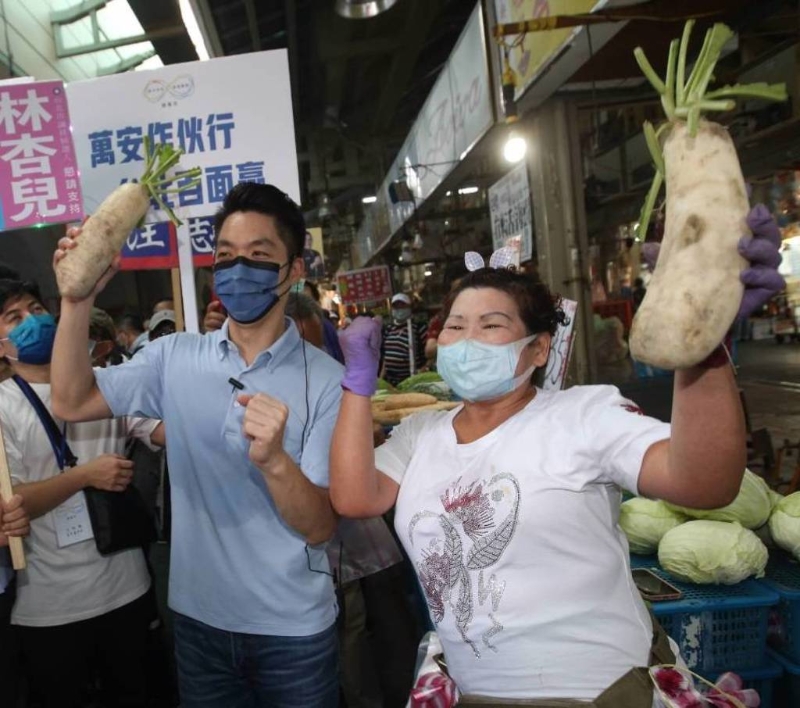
(539, 310)
(270, 201)
(14, 289)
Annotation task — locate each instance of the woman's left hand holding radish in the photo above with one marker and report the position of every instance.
(69, 242)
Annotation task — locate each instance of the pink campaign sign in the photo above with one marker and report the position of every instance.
(39, 180)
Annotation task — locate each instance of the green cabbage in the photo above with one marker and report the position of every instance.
(751, 508)
(645, 521)
(708, 552)
(784, 524)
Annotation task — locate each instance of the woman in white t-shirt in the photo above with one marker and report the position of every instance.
(508, 506)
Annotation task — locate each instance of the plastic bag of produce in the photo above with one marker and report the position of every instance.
(645, 522)
(708, 552)
(784, 524)
(751, 508)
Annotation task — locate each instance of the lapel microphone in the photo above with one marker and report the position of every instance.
(236, 384)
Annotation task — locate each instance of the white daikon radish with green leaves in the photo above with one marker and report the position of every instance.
(695, 292)
(105, 232)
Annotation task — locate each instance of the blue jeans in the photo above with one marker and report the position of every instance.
(219, 669)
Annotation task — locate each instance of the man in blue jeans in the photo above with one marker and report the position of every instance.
(248, 433)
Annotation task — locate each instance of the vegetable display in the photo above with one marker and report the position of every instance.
(105, 232)
(695, 291)
(645, 522)
(784, 524)
(751, 508)
(712, 552)
(390, 409)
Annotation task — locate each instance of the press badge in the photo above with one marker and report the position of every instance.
(72, 521)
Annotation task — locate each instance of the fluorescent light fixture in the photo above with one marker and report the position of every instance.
(468, 190)
(369, 200)
(515, 147)
(193, 29)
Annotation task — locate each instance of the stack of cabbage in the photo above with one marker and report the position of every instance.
(718, 545)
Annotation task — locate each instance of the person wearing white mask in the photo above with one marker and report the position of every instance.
(403, 342)
(508, 505)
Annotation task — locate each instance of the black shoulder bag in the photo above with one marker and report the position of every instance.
(120, 520)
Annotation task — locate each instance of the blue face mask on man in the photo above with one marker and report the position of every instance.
(33, 339)
(247, 288)
(476, 371)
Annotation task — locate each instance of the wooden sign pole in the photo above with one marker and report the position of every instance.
(6, 492)
(177, 297)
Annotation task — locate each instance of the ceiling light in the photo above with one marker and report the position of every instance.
(362, 9)
(369, 200)
(428, 273)
(515, 147)
(468, 190)
(325, 207)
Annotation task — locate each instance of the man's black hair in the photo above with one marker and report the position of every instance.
(8, 273)
(131, 322)
(270, 201)
(11, 289)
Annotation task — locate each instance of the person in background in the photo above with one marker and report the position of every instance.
(314, 263)
(103, 347)
(14, 521)
(131, 334)
(403, 343)
(330, 337)
(435, 329)
(161, 324)
(162, 305)
(78, 615)
(248, 438)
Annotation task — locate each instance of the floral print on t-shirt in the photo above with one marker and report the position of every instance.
(464, 540)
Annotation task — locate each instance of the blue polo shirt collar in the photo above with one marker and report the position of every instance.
(272, 357)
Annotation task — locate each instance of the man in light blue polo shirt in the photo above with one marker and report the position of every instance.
(249, 413)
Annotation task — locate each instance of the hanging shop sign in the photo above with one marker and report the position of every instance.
(510, 212)
(38, 171)
(456, 114)
(532, 53)
(357, 287)
(555, 374)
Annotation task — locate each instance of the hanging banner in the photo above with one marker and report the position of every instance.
(510, 213)
(555, 373)
(211, 110)
(357, 287)
(532, 53)
(38, 170)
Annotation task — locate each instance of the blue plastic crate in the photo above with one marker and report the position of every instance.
(717, 627)
(783, 576)
(787, 689)
(762, 680)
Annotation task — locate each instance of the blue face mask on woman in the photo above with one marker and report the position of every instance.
(247, 288)
(33, 339)
(476, 371)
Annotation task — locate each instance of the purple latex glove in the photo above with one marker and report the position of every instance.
(761, 280)
(361, 345)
